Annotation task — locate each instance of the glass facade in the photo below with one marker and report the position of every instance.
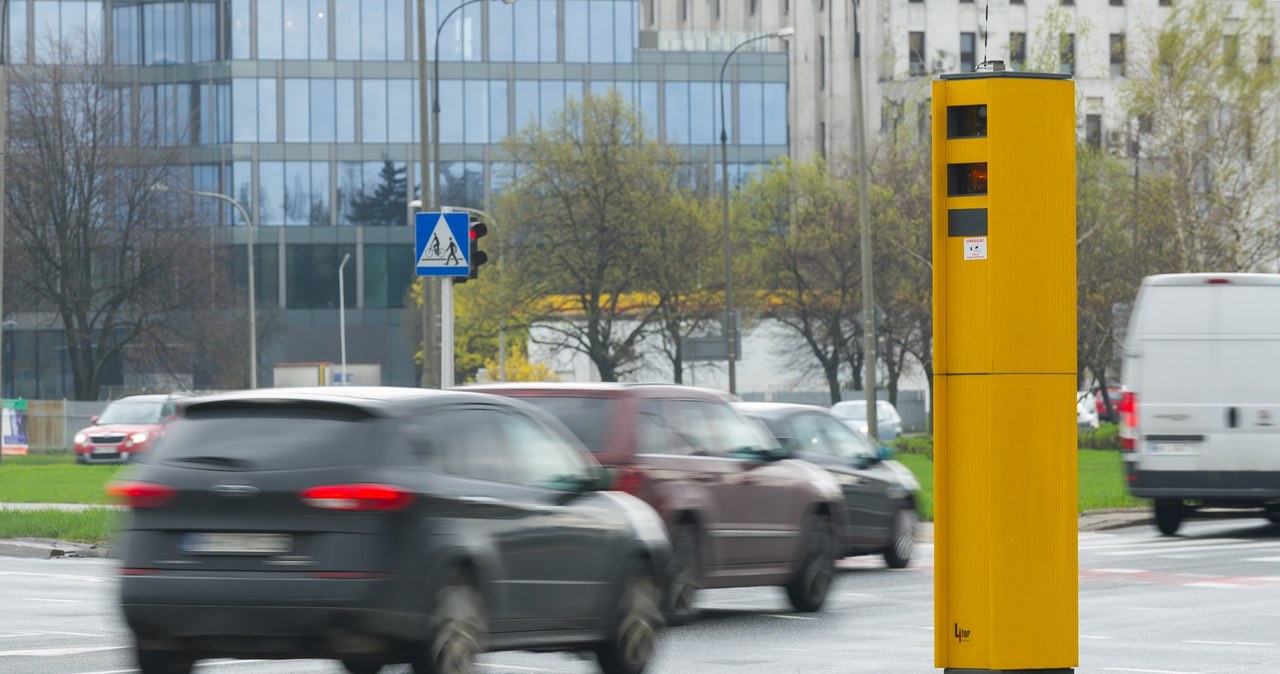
(306, 112)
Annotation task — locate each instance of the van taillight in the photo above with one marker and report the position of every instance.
(1218, 281)
(1128, 421)
(358, 497)
(141, 494)
(628, 479)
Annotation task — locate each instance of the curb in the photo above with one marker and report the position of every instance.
(43, 548)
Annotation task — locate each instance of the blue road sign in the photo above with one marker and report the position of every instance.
(442, 244)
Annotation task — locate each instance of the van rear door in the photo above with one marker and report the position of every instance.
(1173, 363)
(1249, 384)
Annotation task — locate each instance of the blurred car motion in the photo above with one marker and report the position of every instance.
(740, 510)
(382, 525)
(879, 493)
(854, 412)
(127, 427)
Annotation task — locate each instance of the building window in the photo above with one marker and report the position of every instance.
(1068, 2)
(1117, 3)
(915, 50)
(753, 7)
(1117, 54)
(1266, 45)
(966, 2)
(822, 62)
(923, 111)
(968, 48)
(1017, 50)
(1145, 123)
(650, 10)
(1067, 54)
(1166, 3)
(717, 8)
(822, 5)
(1231, 50)
(915, 0)
(1093, 130)
(1017, 2)
(684, 10)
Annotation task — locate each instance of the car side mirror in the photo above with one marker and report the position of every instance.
(93, 420)
(883, 453)
(781, 452)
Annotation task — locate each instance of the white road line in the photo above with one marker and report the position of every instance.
(1217, 549)
(1262, 559)
(54, 601)
(1229, 643)
(1146, 671)
(515, 668)
(1118, 570)
(59, 652)
(790, 617)
(63, 576)
(1141, 608)
(1083, 636)
(1212, 584)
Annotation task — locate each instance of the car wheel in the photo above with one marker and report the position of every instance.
(163, 662)
(361, 666)
(808, 589)
(1169, 514)
(634, 636)
(686, 560)
(903, 541)
(456, 632)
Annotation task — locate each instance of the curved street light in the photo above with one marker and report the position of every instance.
(253, 308)
(731, 323)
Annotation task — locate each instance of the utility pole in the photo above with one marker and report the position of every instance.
(864, 225)
(430, 347)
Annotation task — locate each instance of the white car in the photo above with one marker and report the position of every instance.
(854, 413)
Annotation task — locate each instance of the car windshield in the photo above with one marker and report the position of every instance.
(588, 418)
(135, 412)
(854, 410)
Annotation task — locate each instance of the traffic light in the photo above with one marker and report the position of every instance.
(478, 257)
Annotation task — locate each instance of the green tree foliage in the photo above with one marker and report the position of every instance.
(686, 250)
(1206, 95)
(590, 186)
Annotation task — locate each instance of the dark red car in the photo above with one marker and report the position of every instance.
(739, 509)
(127, 426)
(1115, 394)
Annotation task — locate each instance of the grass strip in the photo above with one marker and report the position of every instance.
(93, 525)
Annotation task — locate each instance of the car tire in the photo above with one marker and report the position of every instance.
(163, 662)
(361, 666)
(1169, 515)
(902, 542)
(686, 574)
(808, 589)
(634, 635)
(457, 630)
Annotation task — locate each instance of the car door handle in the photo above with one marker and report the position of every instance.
(479, 499)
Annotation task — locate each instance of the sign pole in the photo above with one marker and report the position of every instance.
(446, 332)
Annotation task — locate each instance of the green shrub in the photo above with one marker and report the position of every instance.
(1105, 436)
(913, 444)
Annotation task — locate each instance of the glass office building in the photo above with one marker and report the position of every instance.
(306, 111)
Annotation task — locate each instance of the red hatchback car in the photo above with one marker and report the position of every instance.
(126, 427)
(740, 511)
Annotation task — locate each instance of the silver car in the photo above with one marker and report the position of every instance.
(854, 413)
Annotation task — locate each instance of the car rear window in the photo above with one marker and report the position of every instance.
(266, 439)
(589, 418)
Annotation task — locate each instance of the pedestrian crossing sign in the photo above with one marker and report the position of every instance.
(442, 244)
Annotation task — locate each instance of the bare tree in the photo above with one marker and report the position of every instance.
(89, 240)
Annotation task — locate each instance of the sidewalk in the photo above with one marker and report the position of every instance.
(43, 548)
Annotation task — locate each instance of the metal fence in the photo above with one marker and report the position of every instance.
(51, 424)
(913, 406)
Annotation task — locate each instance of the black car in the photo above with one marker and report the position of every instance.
(383, 525)
(879, 494)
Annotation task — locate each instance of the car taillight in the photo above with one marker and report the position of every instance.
(628, 479)
(358, 497)
(142, 494)
(1128, 421)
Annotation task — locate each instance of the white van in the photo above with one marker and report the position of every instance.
(1200, 418)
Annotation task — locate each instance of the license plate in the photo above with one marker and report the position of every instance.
(105, 450)
(235, 543)
(1173, 448)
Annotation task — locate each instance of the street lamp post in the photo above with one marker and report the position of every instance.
(435, 198)
(253, 299)
(342, 314)
(864, 226)
(731, 323)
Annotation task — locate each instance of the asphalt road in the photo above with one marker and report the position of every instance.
(1205, 601)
